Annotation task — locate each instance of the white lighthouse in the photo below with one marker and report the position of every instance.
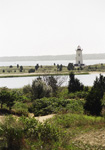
(79, 59)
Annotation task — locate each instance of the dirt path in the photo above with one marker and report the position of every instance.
(40, 73)
(40, 118)
(43, 118)
(1, 118)
(93, 138)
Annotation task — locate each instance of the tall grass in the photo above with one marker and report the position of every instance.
(77, 120)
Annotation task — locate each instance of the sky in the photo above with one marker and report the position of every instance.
(51, 27)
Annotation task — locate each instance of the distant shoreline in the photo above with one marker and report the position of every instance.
(51, 57)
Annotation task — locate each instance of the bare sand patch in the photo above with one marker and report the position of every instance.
(92, 138)
(43, 118)
(2, 118)
(40, 118)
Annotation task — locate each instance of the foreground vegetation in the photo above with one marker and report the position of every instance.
(62, 132)
(78, 123)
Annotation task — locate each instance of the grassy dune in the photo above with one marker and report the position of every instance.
(42, 70)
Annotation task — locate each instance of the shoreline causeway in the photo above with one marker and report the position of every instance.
(45, 74)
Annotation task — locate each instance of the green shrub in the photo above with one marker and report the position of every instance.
(40, 107)
(47, 106)
(31, 70)
(13, 134)
(20, 96)
(30, 126)
(7, 97)
(76, 106)
(39, 131)
(48, 132)
(79, 94)
(27, 90)
(20, 108)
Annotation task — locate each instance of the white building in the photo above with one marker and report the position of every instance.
(79, 59)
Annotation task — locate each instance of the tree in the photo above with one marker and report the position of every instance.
(100, 83)
(36, 67)
(4, 95)
(10, 66)
(7, 97)
(51, 81)
(17, 65)
(59, 67)
(74, 84)
(40, 89)
(70, 66)
(11, 99)
(21, 68)
(93, 103)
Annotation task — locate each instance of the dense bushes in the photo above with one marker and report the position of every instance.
(46, 106)
(14, 100)
(31, 98)
(12, 133)
(20, 108)
(7, 97)
(63, 93)
(27, 90)
(31, 70)
(16, 133)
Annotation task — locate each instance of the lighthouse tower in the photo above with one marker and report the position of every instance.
(79, 59)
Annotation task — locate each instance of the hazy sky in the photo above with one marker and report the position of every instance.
(51, 27)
